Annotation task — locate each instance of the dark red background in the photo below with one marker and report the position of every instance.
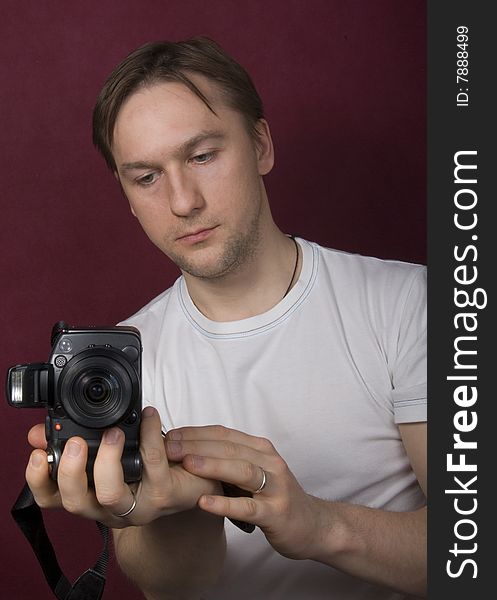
(344, 89)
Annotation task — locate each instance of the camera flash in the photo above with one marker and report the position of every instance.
(16, 382)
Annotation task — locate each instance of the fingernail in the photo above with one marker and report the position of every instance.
(208, 500)
(73, 448)
(111, 436)
(36, 461)
(174, 435)
(149, 411)
(198, 462)
(174, 447)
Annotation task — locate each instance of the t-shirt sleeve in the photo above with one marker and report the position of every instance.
(410, 369)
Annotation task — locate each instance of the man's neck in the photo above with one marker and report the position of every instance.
(254, 287)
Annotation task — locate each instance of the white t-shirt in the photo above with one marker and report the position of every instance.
(326, 375)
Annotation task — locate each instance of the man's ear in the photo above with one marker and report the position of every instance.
(116, 175)
(264, 147)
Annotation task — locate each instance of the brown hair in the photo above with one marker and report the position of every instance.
(172, 61)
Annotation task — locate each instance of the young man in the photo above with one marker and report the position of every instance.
(293, 372)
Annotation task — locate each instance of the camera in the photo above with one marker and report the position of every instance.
(92, 381)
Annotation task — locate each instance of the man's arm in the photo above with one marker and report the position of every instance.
(166, 545)
(384, 547)
(175, 557)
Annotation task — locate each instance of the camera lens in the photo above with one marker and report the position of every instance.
(98, 392)
(99, 388)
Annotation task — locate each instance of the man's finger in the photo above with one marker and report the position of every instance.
(166, 488)
(155, 463)
(242, 473)
(176, 451)
(110, 488)
(160, 489)
(44, 489)
(36, 436)
(220, 433)
(242, 509)
(71, 477)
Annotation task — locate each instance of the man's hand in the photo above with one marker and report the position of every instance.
(384, 547)
(287, 515)
(163, 490)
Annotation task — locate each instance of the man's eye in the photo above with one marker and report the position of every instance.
(147, 179)
(200, 159)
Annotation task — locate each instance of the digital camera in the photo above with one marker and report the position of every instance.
(92, 381)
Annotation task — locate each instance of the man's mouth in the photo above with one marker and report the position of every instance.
(198, 235)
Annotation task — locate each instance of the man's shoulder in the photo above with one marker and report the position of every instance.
(357, 279)
(353, 266)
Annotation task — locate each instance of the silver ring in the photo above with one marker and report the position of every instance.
(263, 483)
(130, 510)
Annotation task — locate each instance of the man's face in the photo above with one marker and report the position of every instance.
(193, 178)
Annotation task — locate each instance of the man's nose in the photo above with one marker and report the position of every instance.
(184, 195)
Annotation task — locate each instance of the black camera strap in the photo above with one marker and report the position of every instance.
(90, 585)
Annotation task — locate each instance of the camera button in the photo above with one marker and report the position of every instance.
(131, 352)
(132, 418)
(60, 361)
(65, 345)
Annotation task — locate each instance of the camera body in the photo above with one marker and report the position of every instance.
(92, 381)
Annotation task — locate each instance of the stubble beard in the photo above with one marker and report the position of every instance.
(239, 250)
